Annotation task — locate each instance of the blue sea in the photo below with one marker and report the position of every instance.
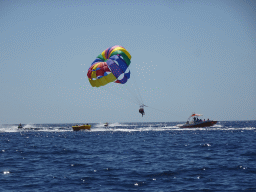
(128, 157)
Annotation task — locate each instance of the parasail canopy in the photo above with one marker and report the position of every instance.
(110, 66)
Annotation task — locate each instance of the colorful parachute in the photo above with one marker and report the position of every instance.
(111, 65)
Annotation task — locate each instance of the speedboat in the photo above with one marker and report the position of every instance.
(194, 121)
(81, 127)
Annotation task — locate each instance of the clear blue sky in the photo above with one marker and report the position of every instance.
(187, 56)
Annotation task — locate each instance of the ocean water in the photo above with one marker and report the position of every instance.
(128, 157)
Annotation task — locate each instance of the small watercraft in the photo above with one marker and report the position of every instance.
(106, 124)
(20, 126)
(194, 121)
(81, 127)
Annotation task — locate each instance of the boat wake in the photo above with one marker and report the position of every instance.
(33, 127)
(112, 125)
(117, 127)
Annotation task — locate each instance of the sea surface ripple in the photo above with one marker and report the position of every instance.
(128, 157)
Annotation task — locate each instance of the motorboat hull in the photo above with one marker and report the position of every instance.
(199, 124)
(81, 127)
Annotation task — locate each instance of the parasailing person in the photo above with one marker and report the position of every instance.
(141, 110)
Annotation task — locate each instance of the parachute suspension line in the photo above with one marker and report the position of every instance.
(127, 98)
(137, 89)
(133, 93)
(135, 99)
(122, 96)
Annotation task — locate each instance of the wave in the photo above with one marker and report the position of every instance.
(120, 127)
